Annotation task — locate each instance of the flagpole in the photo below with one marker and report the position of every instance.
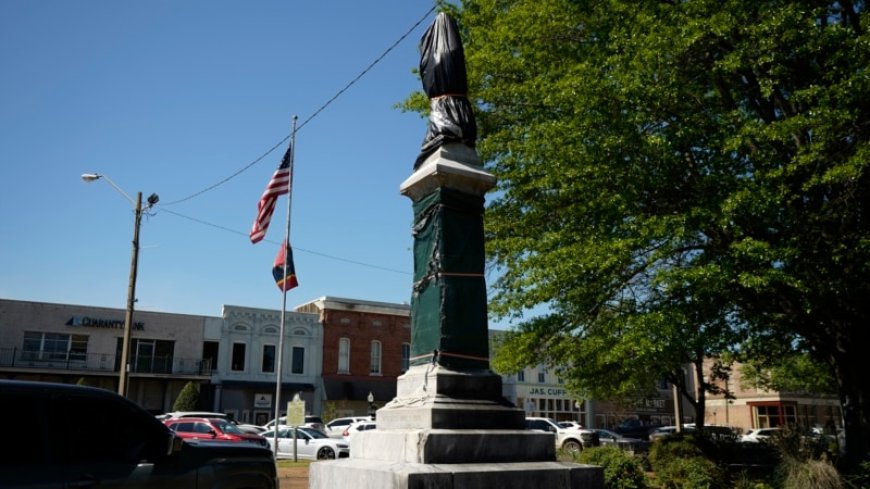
(284, 288)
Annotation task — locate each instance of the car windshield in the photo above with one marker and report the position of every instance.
(313, 433)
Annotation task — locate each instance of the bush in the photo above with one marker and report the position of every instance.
(684, 461)
(621, 470)
(804, 463)
(669, 448)
(744, 481)
(817, 474)
(690, 473)
(188, 398)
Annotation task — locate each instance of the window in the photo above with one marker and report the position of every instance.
(775, 415)
(542, 375)
(521, 376)
(150, 356)
(406, 356)
(375, 368)
(344, 355)
(55, 346)
(238, 360)
(210, 351)
(298, 361)
(268, 365)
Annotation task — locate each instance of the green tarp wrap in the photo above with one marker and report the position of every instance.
(448, 305)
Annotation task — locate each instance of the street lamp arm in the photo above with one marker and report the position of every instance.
(91, 177)
(125, 367)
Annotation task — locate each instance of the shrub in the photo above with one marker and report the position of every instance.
(859, 476)
(805, 463)
(669, 448)
(188, 398)
(744, 481)
(689, 473)
(621, 470)
(801, 474)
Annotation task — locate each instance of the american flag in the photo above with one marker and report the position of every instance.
(277, 186)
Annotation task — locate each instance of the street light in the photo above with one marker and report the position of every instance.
(134, 264)
(371, 399)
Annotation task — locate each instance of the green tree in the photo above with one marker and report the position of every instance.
(188, 398)
(676, 178)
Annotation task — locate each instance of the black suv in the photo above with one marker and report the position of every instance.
(63, 435)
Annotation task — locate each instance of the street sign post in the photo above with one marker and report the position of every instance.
(295, 418)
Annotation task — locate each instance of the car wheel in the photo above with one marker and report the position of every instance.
(325, 453)
(572, 446)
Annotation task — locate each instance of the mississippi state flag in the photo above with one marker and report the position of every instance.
(283, 282)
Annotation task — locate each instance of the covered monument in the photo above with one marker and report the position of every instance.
(449, 425)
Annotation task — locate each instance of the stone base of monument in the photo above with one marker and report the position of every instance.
(384, 475)
(452, 430)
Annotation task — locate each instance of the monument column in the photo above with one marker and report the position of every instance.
(449, 426)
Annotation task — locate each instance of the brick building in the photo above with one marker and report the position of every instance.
(366, 346)
(753, 407)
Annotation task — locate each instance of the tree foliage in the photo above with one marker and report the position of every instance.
(188, 398)
(676, 179)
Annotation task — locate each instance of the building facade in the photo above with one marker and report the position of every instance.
(752, 407)
(336, 352)
(82, 344)
(366, 346)
(245, 345)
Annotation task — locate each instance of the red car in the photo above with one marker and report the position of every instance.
(212, 429)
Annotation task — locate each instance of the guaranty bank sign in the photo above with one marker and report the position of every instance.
(89, 322)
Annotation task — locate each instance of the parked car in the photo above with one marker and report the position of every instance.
(720, 432)
(608, 437)
(568, 440)
(663, 431)
(760, 435)
(313, 422)
(357, 427)
(635, 428)
(311, 444)
(212, 429)
(336, 427)
(570, 425)
(247, 428)
(58, 446)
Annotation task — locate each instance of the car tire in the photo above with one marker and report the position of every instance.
(325, 453)
(572, 446)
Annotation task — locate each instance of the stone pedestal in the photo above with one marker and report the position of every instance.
(449, 426)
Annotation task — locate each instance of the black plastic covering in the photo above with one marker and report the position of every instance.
(442, 69)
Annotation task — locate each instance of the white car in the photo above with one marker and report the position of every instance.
(313, 422)
(336, 427)
(357, 427)
(570, 425)
(570, 440)
(760, 434)
(310, 444)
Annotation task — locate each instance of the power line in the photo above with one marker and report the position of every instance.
(312, 116)
(295, 248)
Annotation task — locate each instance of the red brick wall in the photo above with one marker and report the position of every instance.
(363, 328)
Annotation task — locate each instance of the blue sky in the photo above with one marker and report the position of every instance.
(173, 97)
